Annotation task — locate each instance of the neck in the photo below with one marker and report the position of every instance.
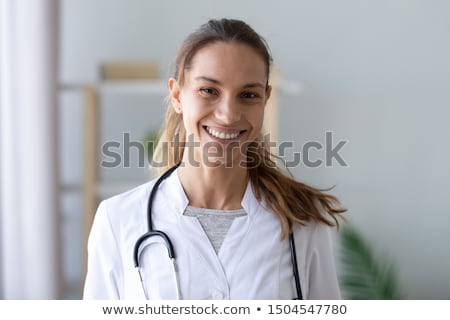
(219, 188)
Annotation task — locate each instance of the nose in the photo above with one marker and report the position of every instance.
(228, 111)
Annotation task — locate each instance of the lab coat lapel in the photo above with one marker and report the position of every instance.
(196, 243)
(234, 246)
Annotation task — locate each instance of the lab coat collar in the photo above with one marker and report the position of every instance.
(175, 193)
(249, 201)
(180, 201)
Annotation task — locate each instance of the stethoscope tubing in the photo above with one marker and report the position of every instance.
(150, 232)
(170, 249)
(295, 266)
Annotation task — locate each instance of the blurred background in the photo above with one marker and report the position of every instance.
(376, 74)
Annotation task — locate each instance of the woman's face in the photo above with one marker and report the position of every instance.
(222, 102)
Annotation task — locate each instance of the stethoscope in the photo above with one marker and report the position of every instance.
(168, 244)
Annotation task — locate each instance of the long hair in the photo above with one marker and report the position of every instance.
(290, 200)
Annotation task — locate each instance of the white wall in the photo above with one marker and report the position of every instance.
(375, 73)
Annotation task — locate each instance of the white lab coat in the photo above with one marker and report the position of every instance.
(253, 263)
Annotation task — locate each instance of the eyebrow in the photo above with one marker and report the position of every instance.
(248, 85)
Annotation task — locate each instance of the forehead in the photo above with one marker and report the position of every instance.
(228, 61)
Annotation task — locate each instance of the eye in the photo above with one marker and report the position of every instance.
(208, 91)
(250, 95)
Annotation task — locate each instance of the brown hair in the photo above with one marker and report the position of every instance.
(291, 201)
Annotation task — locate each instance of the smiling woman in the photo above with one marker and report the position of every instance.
(236, 225)
(222, 108)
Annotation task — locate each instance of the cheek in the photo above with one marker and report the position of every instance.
(189, 120)
(257, 119)
(191, 117)
(194, 109)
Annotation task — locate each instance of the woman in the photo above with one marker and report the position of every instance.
(227, 209)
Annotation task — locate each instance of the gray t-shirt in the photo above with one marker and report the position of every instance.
(215, 223)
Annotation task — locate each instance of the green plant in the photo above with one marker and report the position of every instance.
(363, 275)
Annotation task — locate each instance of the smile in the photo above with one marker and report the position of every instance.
(222, 135)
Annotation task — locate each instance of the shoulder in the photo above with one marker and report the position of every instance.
(313, 233)
(315, 250)
(314, 241)
(125, 205)
(129, 197)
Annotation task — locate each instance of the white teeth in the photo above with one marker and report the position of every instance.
(222, 135)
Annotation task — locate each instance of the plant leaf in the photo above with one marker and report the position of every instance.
(363, 275)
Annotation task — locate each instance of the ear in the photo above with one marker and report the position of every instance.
(175, 94)
(268, 92)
